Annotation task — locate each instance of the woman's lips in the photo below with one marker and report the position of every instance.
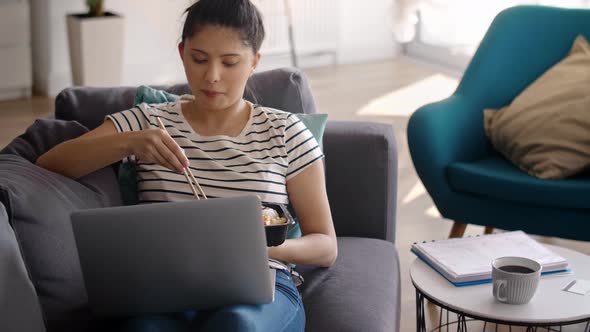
(211, 93)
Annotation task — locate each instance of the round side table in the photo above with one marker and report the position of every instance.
(550, 308)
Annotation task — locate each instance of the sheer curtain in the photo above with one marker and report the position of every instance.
(455, 22)
(405, 18)
(447, 32)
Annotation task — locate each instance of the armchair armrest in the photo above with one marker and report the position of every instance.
(444, 132)
(361, 178)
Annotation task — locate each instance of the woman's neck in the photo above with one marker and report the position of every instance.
(209, 122)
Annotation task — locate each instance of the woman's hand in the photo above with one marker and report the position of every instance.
(156, 146)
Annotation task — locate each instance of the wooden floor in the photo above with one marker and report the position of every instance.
(386, 92)
(16, 116)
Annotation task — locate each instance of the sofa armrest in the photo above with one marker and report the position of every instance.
(361, 178)
(19, 306)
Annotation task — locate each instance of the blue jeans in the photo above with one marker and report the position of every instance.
(284, 314)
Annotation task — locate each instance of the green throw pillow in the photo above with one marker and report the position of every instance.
(146, 94)
(316, 123)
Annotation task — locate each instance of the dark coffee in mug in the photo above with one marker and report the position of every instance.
(515, 279)
(516, 269)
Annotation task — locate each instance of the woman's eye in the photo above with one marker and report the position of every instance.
(228, 64)
(199, 61)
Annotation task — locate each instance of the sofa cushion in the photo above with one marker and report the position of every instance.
(19, 305)
(41, 136)
(360, 292)
(496, 177)
(39, 203)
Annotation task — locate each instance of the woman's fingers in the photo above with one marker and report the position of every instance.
(170, 158)
(176, 150)
(162, 160)
(157, 146)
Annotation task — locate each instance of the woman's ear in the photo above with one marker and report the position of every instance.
(255, 62)
(181, 50)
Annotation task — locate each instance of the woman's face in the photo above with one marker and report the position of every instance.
(217, 64)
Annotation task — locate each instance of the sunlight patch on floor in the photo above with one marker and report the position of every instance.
(404, 101)
(433, 212)
(416, 191)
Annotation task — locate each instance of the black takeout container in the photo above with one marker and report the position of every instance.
(276, 234)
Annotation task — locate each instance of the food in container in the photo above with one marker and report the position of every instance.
(270, 216)
(277, 220)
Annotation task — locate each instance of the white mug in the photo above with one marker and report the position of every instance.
(515, 279)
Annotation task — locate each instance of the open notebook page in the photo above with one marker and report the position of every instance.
(473, 255)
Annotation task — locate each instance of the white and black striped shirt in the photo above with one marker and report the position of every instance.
(273, 147)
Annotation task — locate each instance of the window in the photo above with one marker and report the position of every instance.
(449, 31)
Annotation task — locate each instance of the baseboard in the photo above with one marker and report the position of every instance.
(19, 93)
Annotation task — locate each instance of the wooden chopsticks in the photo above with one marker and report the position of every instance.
(188, 174)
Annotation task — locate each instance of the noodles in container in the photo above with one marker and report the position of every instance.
(270, 216)
(277, 220)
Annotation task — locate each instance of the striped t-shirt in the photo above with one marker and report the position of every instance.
(273, 147)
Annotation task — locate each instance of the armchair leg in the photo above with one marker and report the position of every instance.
(458, 230)
(488, 230)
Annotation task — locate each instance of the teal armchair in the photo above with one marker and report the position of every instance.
(469, 182)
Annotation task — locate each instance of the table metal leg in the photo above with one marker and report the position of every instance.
(420, 319)
(448, 321)
(461, 323)
(440, 320)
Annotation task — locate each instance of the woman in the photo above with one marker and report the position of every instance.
(233, 146)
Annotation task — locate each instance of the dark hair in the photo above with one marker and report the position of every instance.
(241, 15)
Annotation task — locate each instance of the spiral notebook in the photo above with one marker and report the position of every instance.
(467, 261)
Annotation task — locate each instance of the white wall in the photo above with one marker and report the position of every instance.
(153, 29)
(15, 50)
(366, 31)
(364, 34)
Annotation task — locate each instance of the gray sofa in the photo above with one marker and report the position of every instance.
(40, 281)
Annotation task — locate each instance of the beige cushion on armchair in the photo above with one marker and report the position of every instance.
(546, 129)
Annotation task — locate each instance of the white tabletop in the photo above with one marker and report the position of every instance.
(549, 305)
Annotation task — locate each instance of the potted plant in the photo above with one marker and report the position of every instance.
(96, 41)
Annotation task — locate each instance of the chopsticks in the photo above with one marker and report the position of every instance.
(188, 174)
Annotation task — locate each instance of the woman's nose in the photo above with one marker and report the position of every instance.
(212, 74)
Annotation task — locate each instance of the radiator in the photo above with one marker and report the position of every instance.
(315, 26)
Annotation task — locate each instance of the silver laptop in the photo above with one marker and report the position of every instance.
(172, 257)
